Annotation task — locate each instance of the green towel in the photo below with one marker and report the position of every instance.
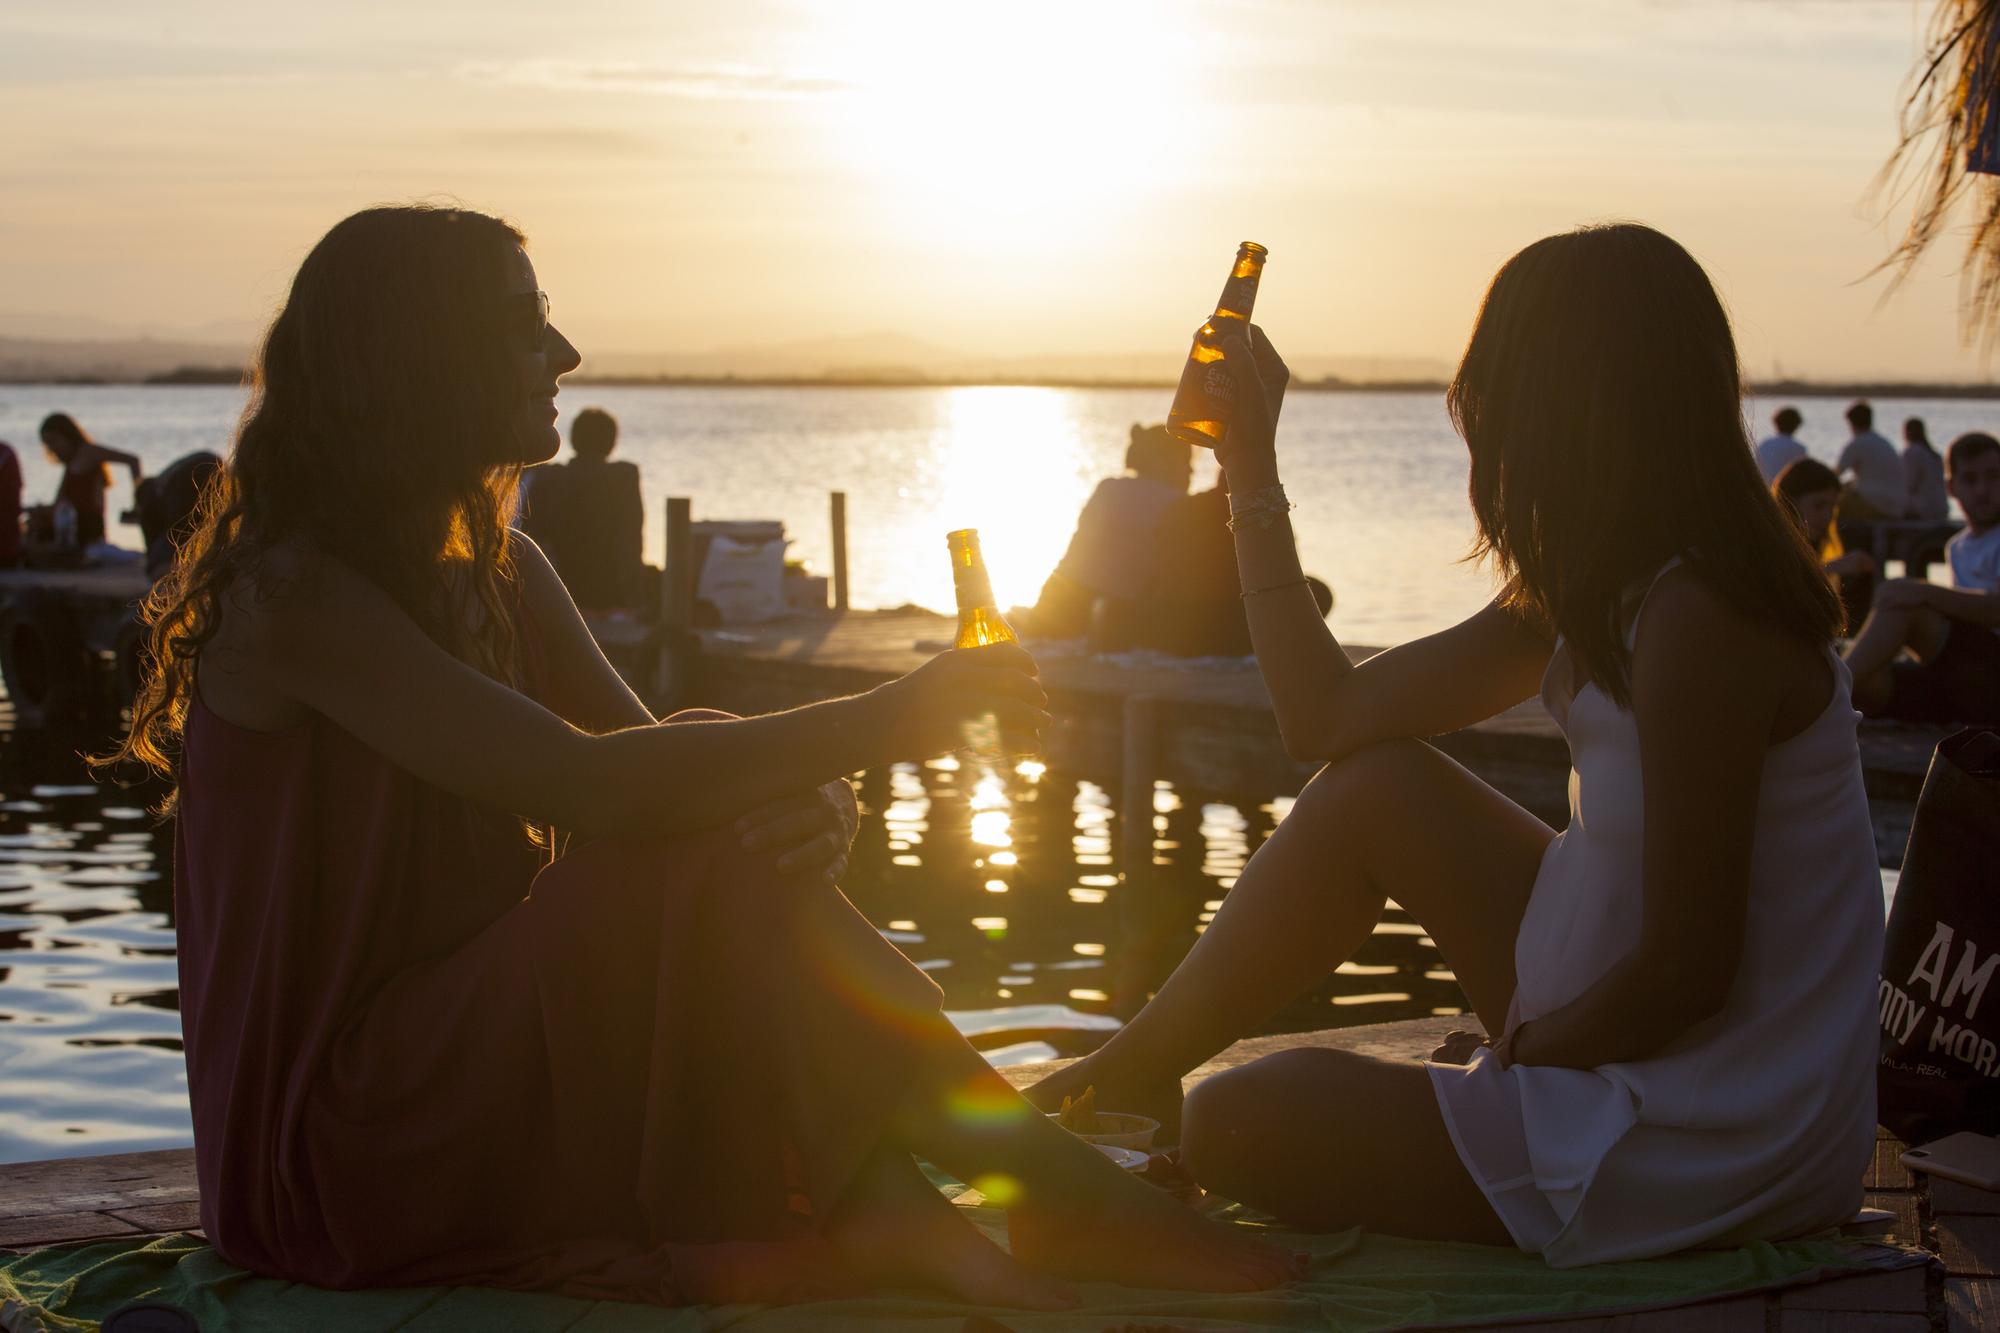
(1359, 1283)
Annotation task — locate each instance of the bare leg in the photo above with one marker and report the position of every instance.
(894, 1229)
(1397, 819)
(1325, 1140)
(1069, 1209)
(1882, 639)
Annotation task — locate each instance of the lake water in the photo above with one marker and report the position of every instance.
(1379, 479)
(1005, 890)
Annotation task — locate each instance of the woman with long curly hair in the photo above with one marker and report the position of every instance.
(1680, 985)
(672, 1064)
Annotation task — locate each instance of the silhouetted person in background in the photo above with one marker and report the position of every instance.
(1924, 495)
(86, 476)
(1195, 605)
(588, 516)
(1809, 491)
(1875, 491)
(1775, 452)
(10, 506)
(167, 506)
(1113, 554)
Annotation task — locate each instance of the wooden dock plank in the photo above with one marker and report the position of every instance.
(1905, 1291)
(1972, 1304)
(1217, 732)
(24, 1233)
(90, 1184)
(1836, 1321)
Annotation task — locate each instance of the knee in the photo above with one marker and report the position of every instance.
(1366, 776)
(1232, 1122)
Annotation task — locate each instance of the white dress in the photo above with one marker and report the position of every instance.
(1755, 1125)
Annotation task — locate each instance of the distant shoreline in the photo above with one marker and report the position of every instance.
(206, 376)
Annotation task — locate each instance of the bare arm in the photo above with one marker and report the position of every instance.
(338, 645)
(1968, 604)
(582, 685)
(93, 454)
(1326, 706)
(1706, 689)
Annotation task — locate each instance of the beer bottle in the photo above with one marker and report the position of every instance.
(1203, 403)
(980, 623)
(979, 620)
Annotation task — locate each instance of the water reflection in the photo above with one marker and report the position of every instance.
(1002, 885)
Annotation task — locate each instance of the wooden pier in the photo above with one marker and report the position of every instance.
(130, 1195)
(1206, 730)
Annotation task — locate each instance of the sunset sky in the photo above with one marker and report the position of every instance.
(1068, 177)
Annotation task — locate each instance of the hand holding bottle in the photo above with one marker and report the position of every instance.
(1248, 453)
(930, 710)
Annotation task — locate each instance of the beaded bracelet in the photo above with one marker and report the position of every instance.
(1259, 508)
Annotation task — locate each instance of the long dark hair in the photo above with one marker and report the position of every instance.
(379, 401)
(69, 440)
(1602, 405)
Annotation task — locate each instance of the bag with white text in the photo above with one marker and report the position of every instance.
(1940, 988)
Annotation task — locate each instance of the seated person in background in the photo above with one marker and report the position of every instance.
(86, 467)
(169, 504)
(1954, 633)
(1195, 606)
(1809, 492)
(1775, 453)
(1924, 494)
(10, 506)
(1113, 553)
(1877, 488)
(588, 517)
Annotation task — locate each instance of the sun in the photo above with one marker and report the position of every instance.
(1005, 123)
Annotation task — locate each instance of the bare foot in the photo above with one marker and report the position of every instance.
(895, 1230)
(1158, 1098)
(1141, 1237)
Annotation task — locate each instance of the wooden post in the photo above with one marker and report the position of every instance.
(1139, 764)
(677, 606)
(840, 550)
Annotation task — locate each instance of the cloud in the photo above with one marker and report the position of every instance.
(697, 82)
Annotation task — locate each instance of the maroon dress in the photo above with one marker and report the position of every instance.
(420, 1052)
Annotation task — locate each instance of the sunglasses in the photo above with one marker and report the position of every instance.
(528, 319)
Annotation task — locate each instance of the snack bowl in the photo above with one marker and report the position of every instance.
(1121, 1129)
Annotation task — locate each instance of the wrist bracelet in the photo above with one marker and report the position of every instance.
(1275, 587)
(1259, 508)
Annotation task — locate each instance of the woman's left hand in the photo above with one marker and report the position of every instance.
(1458, 1048)
(1248, 450)
(808, 835)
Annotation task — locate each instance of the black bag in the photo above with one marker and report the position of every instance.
(1940, 1068)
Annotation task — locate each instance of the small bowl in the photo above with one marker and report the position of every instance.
(1125, 1130)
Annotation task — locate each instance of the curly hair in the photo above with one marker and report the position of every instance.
(375, 404)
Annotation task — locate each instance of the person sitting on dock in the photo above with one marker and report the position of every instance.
(1777, 452)
(672, 1064)
(1809, 493)
(1110, 561)
(1926, 499)
(86, 477)
(10, 506)
(1876, 485)
(1952, 634)
(588, 517)
(1668, 1068)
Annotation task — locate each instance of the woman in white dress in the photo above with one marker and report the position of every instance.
(1680, 985)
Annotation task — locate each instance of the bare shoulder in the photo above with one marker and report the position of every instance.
(1696, 649)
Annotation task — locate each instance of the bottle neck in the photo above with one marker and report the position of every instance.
(1239, 294)
(969, 581)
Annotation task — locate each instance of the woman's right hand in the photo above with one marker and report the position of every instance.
(1248, 452)
(930, 708)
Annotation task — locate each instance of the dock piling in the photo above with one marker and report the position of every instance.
(839, 501)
